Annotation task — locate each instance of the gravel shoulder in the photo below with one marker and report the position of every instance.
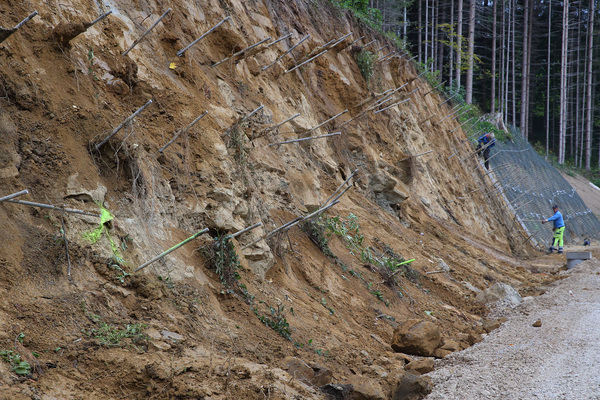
(558, 360)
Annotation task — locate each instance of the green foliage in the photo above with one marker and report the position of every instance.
(110, 335)
(18, 365)
(315, 229)
(226, 262)
(366, 64)
(362, 11)
(378, 294)
(275, 321)
(348, 229)
(116, 263)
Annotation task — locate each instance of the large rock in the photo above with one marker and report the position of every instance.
(500, 292)
(365, 388)
(417, 337)
(412, 387)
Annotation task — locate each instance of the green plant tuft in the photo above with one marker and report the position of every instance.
(275, 321)
(18, 365)
(366, 64)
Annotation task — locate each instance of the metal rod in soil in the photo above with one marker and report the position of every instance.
(180, 52)
(147, 32)
(161, 255)
(118, 128)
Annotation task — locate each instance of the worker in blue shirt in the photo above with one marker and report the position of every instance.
(484, 144)
(559, 229)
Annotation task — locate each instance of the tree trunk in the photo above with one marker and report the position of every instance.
(548, 79)
(493, 94)
(524, 69)
(459, 42)
(563, 84)
(589, 94)
(470, 52)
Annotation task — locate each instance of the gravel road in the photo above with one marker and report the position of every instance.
(559, 360)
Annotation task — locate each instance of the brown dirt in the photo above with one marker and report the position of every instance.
(203, 340)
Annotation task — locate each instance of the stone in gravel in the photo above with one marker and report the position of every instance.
(537, 323)
(500, 292)
(489, 325)
(412, 387)
(417, 337)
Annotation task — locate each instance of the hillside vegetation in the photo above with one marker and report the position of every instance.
(306, 312)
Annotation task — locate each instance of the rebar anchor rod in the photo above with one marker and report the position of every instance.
(306, 138)
(241, 51)
(252, 113)
(180, 52)
(161, 255)
(283, 122)
(5, 33)
(323, 123)
(181, 132)
(340, 187)
(147, 32)
(118, 128)
(51, 207)
(287, 52)
(12, 196)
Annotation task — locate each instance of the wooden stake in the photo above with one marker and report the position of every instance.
(309, 216)
(307, 138)
(241, 51)
(12, 196)
(50, 207)
(5, 33)
(287, 52)
(180, 52)
(323, 123)
(147, 32)
(381, 48)
(118, 128)
(161, 255)
(181, 132)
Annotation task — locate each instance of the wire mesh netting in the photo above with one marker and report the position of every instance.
(532, 186)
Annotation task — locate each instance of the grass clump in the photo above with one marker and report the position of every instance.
(110, 335)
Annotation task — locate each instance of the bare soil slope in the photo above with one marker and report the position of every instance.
(302, 314)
